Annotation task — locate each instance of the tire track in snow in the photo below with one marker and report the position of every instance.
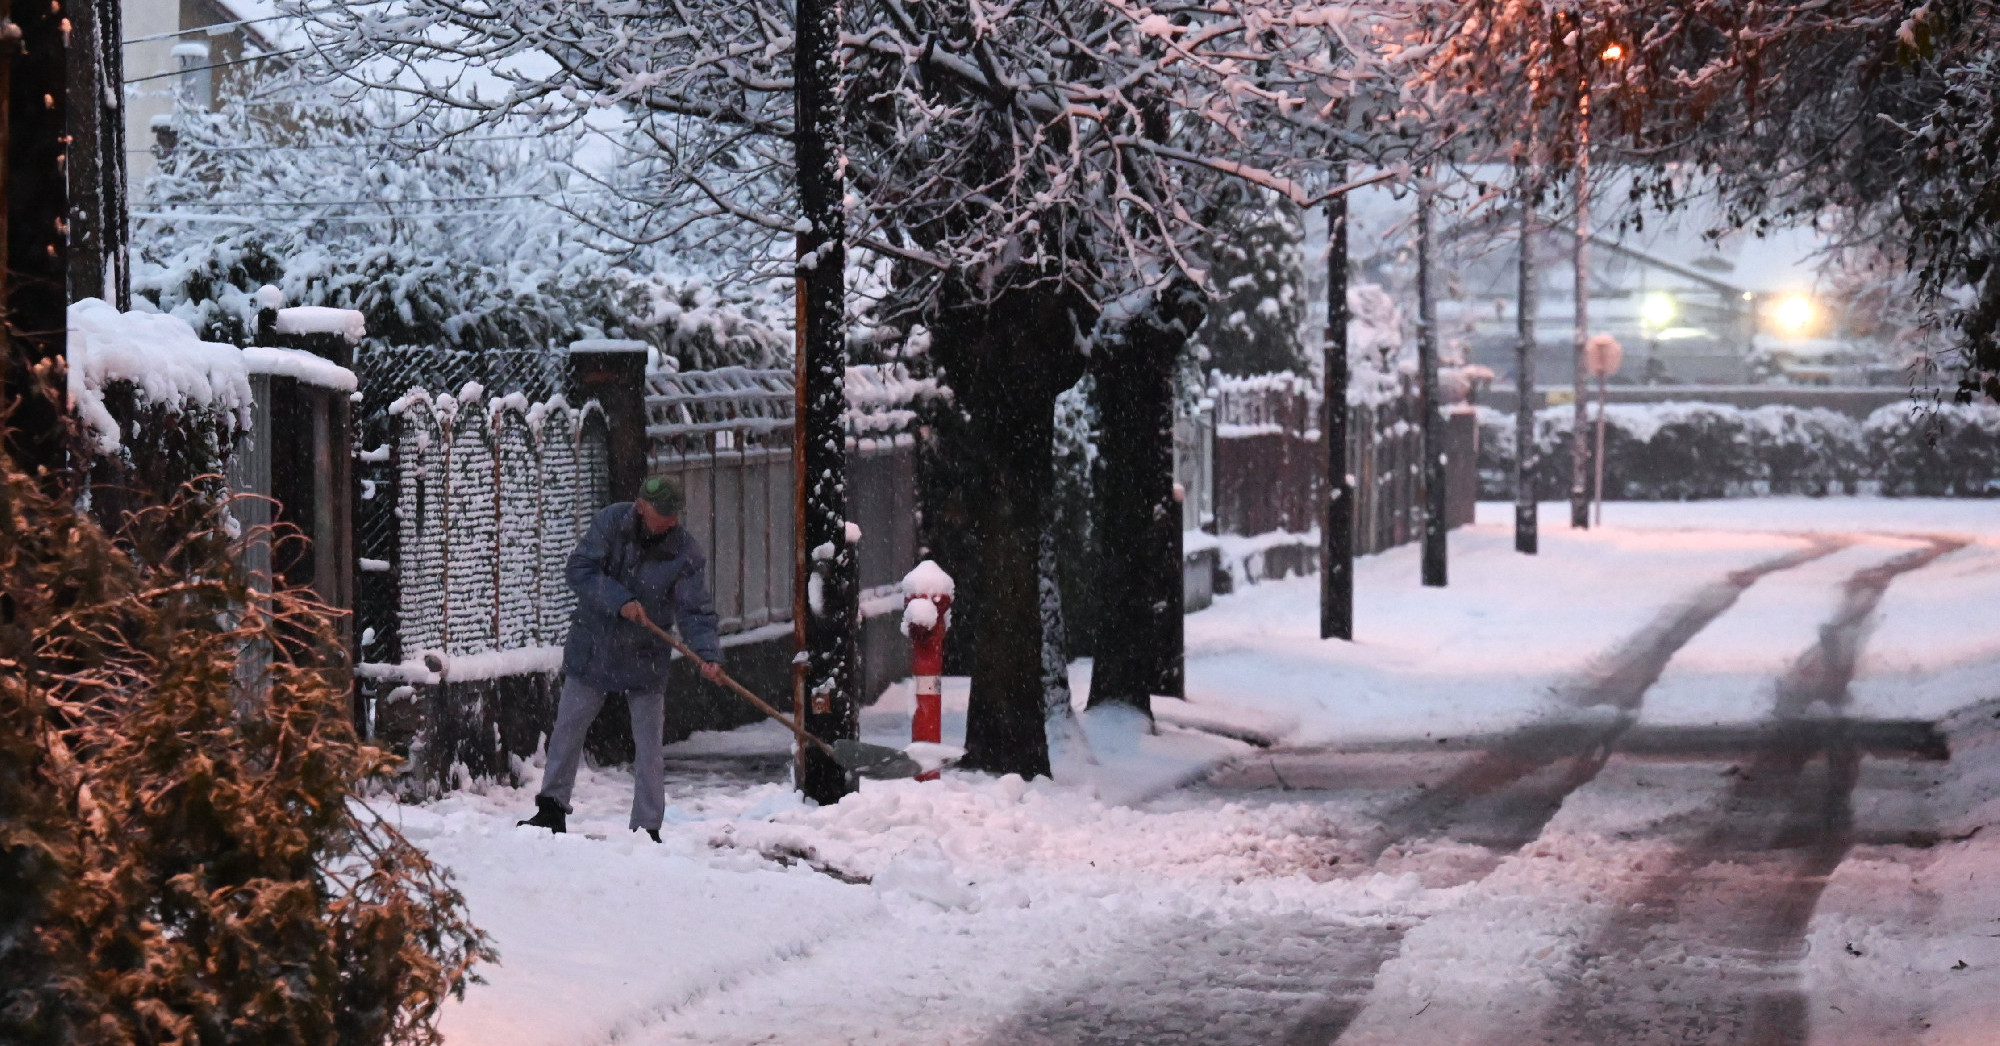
(1708, 950)
(1504, 797)
(1499, 801)
(1249, 982)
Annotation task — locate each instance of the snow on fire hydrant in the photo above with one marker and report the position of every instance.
(927, 593)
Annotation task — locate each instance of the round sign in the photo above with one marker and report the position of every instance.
(1602, 354)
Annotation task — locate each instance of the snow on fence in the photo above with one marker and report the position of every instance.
(468, 605)
(489, 496)
(1269, 464)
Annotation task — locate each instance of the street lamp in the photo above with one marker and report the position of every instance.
(1794, 314)
(1657, 311)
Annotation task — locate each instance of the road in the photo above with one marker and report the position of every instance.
(1684, 918)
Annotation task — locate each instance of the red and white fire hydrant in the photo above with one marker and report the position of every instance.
(927, 591)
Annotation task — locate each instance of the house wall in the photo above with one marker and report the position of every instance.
(147, 98)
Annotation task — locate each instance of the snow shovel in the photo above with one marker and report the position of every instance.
(858, 757)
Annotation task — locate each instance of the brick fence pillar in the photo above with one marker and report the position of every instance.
(614, 374)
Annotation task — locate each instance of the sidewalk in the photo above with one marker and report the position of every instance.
(948, 912)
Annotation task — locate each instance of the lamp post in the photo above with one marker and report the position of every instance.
(1602, 354)
(1579, 501)
(1527, 463)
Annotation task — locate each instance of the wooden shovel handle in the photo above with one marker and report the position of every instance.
(762, 705)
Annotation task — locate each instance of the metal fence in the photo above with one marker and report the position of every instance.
(470, 504)
(727, 434)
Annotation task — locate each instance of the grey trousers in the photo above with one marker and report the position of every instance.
(574, 713)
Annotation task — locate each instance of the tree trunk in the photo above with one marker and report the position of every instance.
(1067, 744)
(1006, 360)
(1336, 576)
(35, 279)
(1433, 422)
(827, 599)
(1527, 462)
(1140, 648)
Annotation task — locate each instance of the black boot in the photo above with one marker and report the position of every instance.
(549, 814)
(651, 833)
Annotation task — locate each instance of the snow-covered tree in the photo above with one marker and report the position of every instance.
(1028, 166)
(338, 199)
(1875, 118)
(1258, 272)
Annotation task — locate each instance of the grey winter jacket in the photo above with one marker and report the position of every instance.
(613, 566)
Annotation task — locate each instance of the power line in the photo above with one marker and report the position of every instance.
(216, 65)
(379, 203)
(211, 30)
(339, 219)
(378, 143)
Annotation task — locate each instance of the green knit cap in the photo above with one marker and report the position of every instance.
(663, 494)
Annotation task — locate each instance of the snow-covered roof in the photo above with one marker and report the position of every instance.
(268, 26)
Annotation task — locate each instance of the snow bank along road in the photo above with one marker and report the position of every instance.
(1722, 776)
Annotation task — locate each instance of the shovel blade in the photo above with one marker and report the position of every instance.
(877, 761)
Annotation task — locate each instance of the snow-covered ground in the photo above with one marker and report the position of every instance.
(1355, 896)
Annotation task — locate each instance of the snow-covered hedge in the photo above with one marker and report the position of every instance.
(161, 366)
(1684, 451)
(1952, 450)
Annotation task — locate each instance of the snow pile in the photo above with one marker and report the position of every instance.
(919, 614)
(928, 579)
(299, 365)
(162, 359)
(320, 319)
(923, 871)
(924, 586)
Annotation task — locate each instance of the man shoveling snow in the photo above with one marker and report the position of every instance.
(634, 569)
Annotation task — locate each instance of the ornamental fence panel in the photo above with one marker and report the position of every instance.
(470, 505)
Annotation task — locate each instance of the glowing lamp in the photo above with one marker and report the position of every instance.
(1794, 314)
(1657, 310)
(1613, 53)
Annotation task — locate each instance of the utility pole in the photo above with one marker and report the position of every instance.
(1336, 575)
(1427, 401)
(1579, 444)
(33, 286)
(826, 593)
(1527, 462)
(96, 154)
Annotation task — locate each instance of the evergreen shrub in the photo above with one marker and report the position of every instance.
(187, 852)
(1952, 450)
